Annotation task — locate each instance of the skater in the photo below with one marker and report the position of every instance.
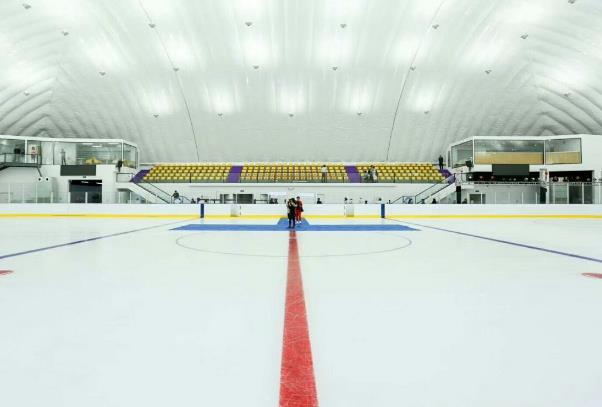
(291, 205)
(298, 210)
(440, 162)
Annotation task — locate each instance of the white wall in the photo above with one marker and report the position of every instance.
(328, 193)
(100, 209)
(491, 210)
(398, 211)
(16, 177)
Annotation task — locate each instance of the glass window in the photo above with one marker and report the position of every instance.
(563, 151)
(461, 153)
(47, 152)
(130, 154)
(97, 153)
(34, 150)
(64, 153)
(12, 150)
(509, 151)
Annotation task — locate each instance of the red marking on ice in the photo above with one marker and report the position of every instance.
(297, 381)
(593, 275)
(3, 272)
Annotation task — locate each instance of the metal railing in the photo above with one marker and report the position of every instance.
(20, 159)
(40, 193)
(531, 192)
(164, 196)
(422, 196)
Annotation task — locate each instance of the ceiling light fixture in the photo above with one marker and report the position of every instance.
(412, 68)
(343, 25)
(291, 115)
(488, 71)
(359, 113)
(26, 93)
(102, 73)
(176, 69)
(435, 26)
(255, 66)
(152, 25)
(572, 1)
(248, 23)
(334, 68)
(427, 111)
(65, 32)
(524, 36)
(156, 115)
(220, 114)
(26, 6)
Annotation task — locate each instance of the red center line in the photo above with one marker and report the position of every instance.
(297, 381)
(3, 272)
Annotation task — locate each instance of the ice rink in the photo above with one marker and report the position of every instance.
(430, 312)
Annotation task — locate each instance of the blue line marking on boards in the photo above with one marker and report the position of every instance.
(304, 226)
(492, 239)
(91, 239)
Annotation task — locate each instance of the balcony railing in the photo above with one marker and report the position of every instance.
(20, 160)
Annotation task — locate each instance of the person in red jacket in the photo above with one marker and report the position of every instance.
(298, 210)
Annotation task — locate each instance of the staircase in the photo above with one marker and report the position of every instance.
(437, 191)
(139, 176)
(235, 173)
(148, 191)
(445, 173)
(353, 174)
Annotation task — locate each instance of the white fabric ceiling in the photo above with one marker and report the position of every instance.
(411, 75)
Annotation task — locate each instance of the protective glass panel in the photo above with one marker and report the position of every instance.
(98, 153)
(563, 151)
(129, 156)
(461, 153)
(509, 152)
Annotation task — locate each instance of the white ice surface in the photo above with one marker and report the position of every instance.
(136, 320)
(439, 320)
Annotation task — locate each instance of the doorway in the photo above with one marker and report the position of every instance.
(478, 199)
(85, 191)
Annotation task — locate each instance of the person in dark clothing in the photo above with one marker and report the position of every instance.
(458, 182)
(291, 207)
(440, 162)
(119, 165)
(319, 201)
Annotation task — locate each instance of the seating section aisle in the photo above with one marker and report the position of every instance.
(407, 172)
(188, 173)
(292, 173)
